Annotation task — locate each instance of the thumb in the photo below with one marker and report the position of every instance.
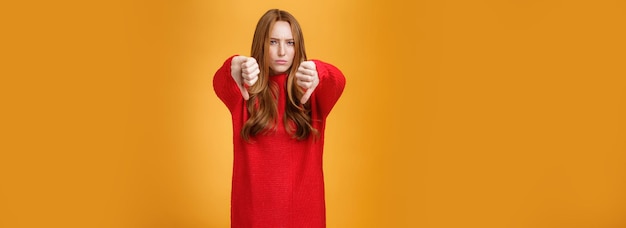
(244, 91)
(306, 95)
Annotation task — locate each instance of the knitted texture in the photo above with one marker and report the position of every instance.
(278, 181)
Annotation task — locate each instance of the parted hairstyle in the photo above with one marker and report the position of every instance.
(262, 105)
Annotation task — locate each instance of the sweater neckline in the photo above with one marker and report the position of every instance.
(278, 75)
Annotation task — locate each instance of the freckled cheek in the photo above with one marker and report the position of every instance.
(273, 52)
(291, 54)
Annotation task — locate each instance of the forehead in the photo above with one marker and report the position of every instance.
(281, 29)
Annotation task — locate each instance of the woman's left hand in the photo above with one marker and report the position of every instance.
(307, 78)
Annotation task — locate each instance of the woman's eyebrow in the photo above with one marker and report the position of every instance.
(274, 38)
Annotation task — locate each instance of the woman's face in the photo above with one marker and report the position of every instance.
(281, 47)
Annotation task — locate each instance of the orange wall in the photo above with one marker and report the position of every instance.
(456, 114)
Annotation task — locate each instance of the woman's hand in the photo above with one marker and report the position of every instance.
(245, 71)
(307, 78)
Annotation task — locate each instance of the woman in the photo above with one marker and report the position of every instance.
(279, 102)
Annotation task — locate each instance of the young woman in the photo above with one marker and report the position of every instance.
(279, 101)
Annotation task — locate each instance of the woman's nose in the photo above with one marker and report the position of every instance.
(281, 50)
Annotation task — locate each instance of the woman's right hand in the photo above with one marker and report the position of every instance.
(245, 70)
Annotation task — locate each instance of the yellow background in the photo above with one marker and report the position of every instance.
(456, 113)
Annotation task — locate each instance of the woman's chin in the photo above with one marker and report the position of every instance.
(279, 70)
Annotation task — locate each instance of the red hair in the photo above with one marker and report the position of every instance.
(262, 105)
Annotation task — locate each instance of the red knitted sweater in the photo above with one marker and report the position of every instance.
(277, 180)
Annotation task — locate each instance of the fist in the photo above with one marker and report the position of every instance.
(307, 78)
(245, 71)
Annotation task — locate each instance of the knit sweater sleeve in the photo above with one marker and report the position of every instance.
(225, 86)
(330, 87)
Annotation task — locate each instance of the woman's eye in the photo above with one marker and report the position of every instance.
(291, 43)
(273, 42)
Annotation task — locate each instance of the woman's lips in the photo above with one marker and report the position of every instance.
(281, 62)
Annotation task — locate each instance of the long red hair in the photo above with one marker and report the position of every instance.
(262, 105)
